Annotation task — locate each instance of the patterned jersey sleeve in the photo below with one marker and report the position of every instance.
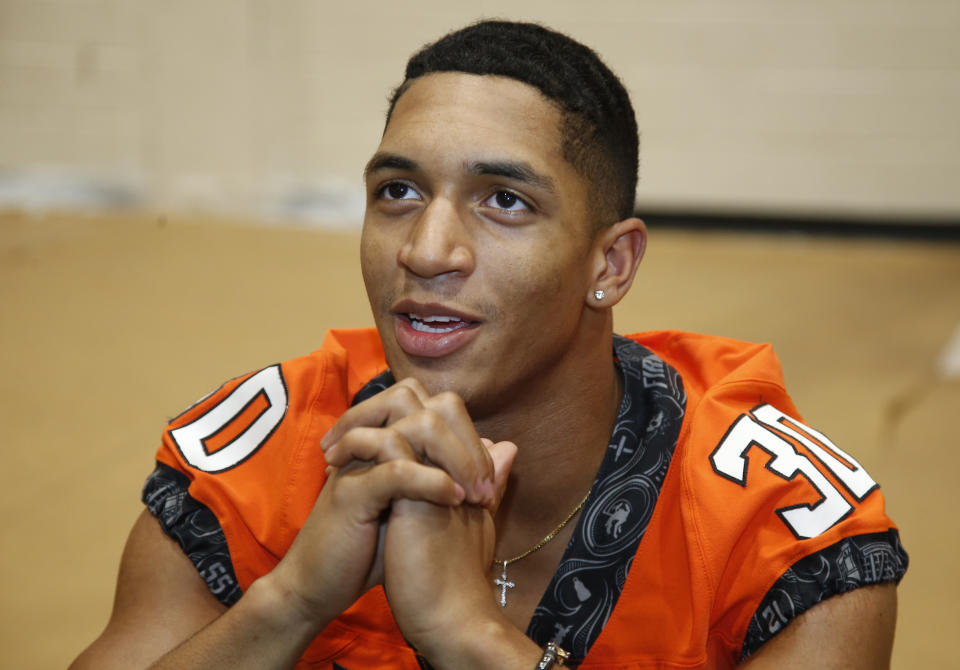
(787, 518)
(223, 470)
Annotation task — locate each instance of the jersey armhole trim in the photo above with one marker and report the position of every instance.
(853, 562)
(195, 528)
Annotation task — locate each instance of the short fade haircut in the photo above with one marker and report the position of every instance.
(599, 130)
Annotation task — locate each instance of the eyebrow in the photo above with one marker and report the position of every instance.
(514, 170)
(385, 161)
(519, 171)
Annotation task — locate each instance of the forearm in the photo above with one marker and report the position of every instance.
(265, 630)
(492, 645)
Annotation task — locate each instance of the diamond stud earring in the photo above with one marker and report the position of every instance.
(598, 294)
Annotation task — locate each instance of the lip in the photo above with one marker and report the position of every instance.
(432, 345)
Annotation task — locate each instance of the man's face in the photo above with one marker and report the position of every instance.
(475, 239)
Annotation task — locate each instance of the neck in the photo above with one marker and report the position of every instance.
(561, 424)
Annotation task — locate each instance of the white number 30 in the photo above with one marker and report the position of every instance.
(766, 427)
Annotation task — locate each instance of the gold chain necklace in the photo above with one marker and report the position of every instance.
(502, 580)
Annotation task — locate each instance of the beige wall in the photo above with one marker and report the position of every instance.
(272, 107)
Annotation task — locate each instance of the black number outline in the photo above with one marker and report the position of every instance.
(260, 390)
(774, 458)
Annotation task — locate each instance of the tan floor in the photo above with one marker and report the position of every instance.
(109, 326)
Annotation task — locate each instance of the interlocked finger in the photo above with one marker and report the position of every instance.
(383, 483)
(475, 458)
(400, 400)
(404, 422)
(422, 437)
(442, 442)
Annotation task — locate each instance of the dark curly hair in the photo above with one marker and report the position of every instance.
(599, 131)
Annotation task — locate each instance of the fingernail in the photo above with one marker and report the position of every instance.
(458, 492)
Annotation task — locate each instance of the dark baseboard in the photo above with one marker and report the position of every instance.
(901, 228)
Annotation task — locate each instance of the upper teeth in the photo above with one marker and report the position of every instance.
(434, 319)
(436, 324)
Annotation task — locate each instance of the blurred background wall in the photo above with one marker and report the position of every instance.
(825, 107)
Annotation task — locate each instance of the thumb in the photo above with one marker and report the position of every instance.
(502, 454)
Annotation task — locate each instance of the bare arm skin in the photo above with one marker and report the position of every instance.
(853, 630)
(160, 601)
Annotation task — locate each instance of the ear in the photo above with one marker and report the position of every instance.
(617, 251)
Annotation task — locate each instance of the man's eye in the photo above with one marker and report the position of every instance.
(399, 191)
(507, 201)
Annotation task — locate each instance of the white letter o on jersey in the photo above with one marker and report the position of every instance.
(190, 438)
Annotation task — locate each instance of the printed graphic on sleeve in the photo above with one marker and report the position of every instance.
(853, 562)
(234, 429)
(195, 528)
(770, 430)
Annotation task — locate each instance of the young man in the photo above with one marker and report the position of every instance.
(493, 478)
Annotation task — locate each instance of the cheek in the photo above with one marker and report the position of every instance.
(373, 260)
(548, 288)
(375, 266)
(366, 250)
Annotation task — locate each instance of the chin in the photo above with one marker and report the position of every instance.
(439, 376)
(432, 373)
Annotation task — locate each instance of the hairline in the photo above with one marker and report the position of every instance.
(604, 219)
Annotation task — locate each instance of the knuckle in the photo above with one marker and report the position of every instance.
(430, 421)
(349, 436)
(405, 397)
(391, 440)
(412, 383)
(402, 389)
(449, 400)
(399, 470)
(341, 486)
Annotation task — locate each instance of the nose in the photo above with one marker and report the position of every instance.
(439, 242)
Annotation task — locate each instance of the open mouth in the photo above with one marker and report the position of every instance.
(432, 330)
(436, 324)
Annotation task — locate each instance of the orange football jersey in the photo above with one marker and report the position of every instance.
(739, 519)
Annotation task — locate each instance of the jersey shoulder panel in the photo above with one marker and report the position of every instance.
(763, 490)
(708, 361)
(250, 450)
(765, 496)
(358, 352)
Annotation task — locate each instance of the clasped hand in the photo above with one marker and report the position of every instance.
(408, 503)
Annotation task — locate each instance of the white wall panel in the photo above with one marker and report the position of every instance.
(839, 106)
